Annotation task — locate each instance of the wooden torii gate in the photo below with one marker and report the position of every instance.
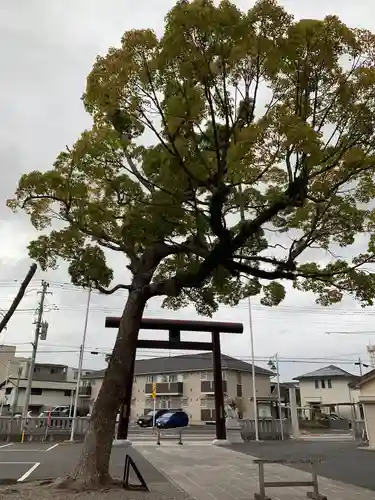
(175, 327)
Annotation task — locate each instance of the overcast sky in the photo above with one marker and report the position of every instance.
(46, 51)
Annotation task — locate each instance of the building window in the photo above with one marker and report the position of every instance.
(8, 390)
(329, 382)
(149, 379)
(67, 393)
(208, 403)
(36, 392)
(239, 378)
(316, 384)
(75, 375)
(323, 384)
(173, 378)
(207, 376)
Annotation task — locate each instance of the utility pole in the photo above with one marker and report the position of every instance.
(38, 325)
(360, 366)
(16, 391)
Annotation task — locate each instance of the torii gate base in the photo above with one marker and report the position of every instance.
(175, 327)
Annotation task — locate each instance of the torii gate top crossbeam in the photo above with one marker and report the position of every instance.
(181, 325)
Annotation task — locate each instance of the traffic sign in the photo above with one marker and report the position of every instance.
(153, 394)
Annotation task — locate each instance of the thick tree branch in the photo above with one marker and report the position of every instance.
(238, 267)
(259, 258)
(110, 291)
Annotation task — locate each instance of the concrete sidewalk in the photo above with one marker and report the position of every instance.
(214, 473)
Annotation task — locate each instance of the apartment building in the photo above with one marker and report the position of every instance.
(7, 353)
(327, 390)
(52, 385)
(187, 382)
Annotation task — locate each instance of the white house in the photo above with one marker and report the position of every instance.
(52, 385)
(366, 387)
(327, 390)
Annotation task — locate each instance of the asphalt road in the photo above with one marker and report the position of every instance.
(33, 461)
(341, 461)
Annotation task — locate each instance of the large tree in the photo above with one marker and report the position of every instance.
(220, 155)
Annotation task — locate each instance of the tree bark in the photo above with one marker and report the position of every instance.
(93, 467)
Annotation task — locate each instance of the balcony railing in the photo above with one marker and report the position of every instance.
(208, 387)
(85, 391)
(166, 389)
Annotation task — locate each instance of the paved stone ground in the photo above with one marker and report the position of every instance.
(214, 473)
(341, 461)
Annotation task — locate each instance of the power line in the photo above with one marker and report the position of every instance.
(164, 354)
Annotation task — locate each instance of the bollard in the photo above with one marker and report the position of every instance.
(180, 440)
(24, 425)
(158, 441)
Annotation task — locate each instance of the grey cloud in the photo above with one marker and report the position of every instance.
(47, 50)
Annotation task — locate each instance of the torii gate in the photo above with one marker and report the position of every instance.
(175, 327)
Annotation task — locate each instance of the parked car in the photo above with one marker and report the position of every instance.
(173, 419)
(57, 412)
(63, 411)
(149, 419)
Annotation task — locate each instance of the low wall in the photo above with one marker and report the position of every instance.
(39, 429)
(269, 429)
(359, 430)
(339, 424)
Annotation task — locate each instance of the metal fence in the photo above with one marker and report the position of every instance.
(269, 429)
(41, 429)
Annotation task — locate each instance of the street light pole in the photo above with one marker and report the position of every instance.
(80, 363)
(279, 397)
(255, 405)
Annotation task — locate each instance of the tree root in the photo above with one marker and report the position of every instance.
(87, 483)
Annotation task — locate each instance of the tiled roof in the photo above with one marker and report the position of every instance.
(367, 377)
(187, 363)
(330, 371)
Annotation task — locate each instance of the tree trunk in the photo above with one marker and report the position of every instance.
(93, 467)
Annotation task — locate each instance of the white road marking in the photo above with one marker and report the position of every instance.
(52, 447)
(28, 473)
(5, 445)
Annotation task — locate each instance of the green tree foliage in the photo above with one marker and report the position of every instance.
(250, 112)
